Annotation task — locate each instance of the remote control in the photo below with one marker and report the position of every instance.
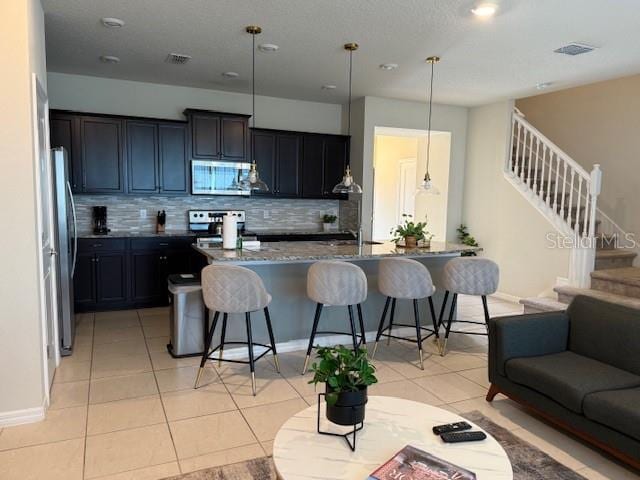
(451, 427)
(455, 437)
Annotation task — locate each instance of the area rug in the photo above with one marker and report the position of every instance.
(528, 462)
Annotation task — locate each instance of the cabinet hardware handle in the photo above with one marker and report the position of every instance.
(96, 245)
(164, 244)
(97, 260)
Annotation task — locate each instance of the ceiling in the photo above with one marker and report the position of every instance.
(482, 61)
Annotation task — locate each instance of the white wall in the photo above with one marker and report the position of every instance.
(509, 229)
(372, 112)
(21, 370)
(123, 97)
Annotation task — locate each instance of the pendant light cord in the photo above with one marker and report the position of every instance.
(253, 80)
(429, 118)
(350, 76)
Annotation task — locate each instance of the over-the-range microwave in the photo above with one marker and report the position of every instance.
(218, 177)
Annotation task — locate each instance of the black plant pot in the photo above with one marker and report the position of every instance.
(349, 407)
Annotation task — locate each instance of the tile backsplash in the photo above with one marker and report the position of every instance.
(123, 212)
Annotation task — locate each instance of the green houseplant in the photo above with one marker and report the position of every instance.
(346, 375)
(466, 239)
(327, 221)
(412, 232)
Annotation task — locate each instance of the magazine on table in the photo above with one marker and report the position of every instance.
(411, 463)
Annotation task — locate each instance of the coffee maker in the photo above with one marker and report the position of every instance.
(100, 220)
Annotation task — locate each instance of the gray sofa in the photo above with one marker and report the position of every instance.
(579, 369)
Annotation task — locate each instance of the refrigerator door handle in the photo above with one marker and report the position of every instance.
(75, 230)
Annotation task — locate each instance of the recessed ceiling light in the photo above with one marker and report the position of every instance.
(230, 75)
(268, 47)
(485, 10)
(543, 85)
(328, 87)
(109, 59)
(389, 66)
(111, 22)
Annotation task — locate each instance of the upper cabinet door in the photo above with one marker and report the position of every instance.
(142, 156)
(312, 159)
(289, 154)
(263, 144)
(234, 138)
(205, 136)
(174, 165)
(64, 133)
(336, 156)
(102, 155)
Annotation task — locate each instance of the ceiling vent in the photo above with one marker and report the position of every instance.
(574, 49)
(178, 58)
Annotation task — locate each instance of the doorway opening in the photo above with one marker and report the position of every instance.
(399, 162)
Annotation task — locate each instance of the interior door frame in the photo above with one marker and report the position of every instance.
(39, 95)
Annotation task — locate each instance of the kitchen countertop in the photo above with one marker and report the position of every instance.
(301, 252)
(169, 233)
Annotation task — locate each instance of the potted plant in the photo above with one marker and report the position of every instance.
(346, 375)
(327, 221)
(465, 238)
(411, 232)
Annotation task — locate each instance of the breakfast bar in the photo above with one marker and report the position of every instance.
(283, 268)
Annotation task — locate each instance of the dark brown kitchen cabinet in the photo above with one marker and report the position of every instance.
(111, 278)
(173, 159)
(278, 155)
(84, 282)
(324, 160)
(263, 151)
(102, 155)
(65, 130)
(218, 136)
(147, 272)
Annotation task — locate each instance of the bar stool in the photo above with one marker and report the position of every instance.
(403, 278)
(232, 289)
(335, 283)
(467, 276)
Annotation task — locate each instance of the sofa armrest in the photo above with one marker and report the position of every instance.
(526, 336)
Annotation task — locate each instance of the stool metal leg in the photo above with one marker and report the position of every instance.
(416, 315)
(486, 312)
(247, 317)
(354, 338)
(314, 329)
(381, 326)
(454, 300)
(361, 321)
(442, 308)
(393, 314)
(433, 318)
(207, 345)
(222, 338)
(271, 338)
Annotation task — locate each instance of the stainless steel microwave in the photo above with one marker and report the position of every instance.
(218, 178)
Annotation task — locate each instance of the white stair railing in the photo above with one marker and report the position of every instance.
(560, 188)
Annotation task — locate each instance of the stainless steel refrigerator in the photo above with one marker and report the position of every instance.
(67, 246)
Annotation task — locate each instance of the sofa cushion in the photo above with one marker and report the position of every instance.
(618, 409)
(606, 332)
(567, 377)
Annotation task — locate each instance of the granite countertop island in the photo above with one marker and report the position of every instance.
(305, 252)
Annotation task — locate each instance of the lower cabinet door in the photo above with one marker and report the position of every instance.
(147, 283)
(178, 261)
(84, 284)
(111, 277)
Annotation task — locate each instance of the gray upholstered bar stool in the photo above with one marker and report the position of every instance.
(467, 276)
(403, 278)
(232, 289)
(335, 283)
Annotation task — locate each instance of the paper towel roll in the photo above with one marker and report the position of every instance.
(229, 232)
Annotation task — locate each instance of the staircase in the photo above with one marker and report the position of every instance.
(566, 195)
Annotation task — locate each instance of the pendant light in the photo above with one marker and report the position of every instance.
(427, 187)
(252, 181)
(348, 184)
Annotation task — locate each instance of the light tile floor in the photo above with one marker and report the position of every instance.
(122, 408)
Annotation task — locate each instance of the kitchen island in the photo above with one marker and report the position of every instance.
(283, 268)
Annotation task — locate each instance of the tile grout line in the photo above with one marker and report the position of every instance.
(86, 423)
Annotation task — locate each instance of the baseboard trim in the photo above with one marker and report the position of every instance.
(506, 296)
(19, 417)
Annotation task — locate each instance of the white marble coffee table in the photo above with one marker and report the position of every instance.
(299, 453)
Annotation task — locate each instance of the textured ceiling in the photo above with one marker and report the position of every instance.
(482, 61)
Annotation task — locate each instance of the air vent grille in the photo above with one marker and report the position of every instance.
(178, 58)
(574, 49)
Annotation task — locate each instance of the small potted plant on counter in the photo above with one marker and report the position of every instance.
(327, 221)
(346, 375)
(411, 233)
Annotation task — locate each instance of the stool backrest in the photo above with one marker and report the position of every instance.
(404, 278)
(233, 289)
(331, 282)
(471, 276)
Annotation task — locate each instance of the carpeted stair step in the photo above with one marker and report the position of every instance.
(620, 281)
(542, 304)
(566, 295)
(607, 259)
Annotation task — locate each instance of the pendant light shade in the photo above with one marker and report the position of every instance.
(252, 180)
(348, 184)
(427, 187)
